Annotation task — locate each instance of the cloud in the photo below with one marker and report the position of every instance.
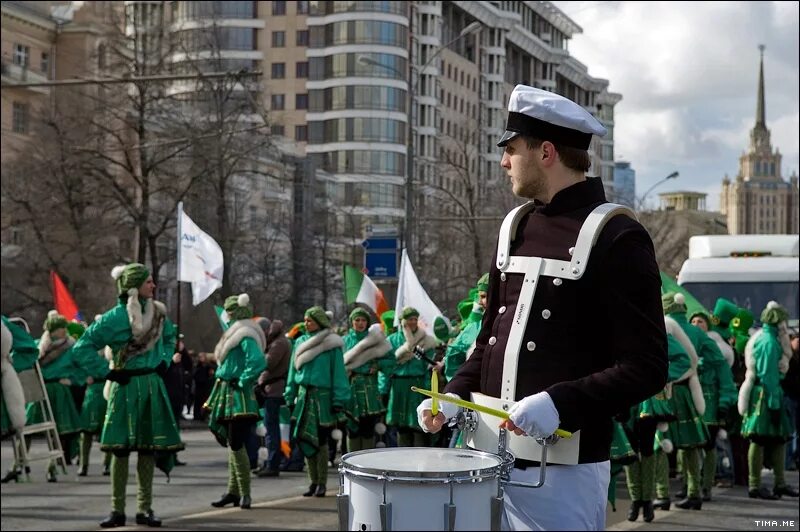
(688, 74)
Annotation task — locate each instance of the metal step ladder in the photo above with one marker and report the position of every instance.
(35, 392)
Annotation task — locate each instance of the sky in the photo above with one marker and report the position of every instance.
(688, 75)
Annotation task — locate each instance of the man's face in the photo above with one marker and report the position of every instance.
(795, 344)
(482, 297)
(148, 288)
(311, 325)
(699, 322)
(521, 165)
(360, 324)
(411, 323)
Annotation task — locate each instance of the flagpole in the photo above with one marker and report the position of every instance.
(178, 274)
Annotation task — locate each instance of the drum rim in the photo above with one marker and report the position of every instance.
(413, 476)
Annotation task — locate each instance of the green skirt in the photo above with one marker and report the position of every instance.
(403, 403)
(226, 404)
(657, 407)
(688, 431)
(139, 417)
(66, 415)
(365, 399)
(759, 424)
(93, 412)
(312, 410)
(621, 451)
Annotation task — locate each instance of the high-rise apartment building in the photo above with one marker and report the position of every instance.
(759, 200)
(624, 184)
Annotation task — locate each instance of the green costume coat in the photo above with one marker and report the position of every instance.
(317, 387)
(235, 402)
(65, 413)
(456, 352)
(366, 398)
(687, 430)
(402, 407)
(764, 419)
(139, 416)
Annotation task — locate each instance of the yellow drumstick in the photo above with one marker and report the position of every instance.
(474, 406)
(435, 389)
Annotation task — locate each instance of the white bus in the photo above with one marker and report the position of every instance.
(750, 270)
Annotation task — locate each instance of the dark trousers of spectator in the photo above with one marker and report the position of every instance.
(252, 443)
(272, 415)
(200, 397)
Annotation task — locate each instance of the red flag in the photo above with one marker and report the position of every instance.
(64, 303)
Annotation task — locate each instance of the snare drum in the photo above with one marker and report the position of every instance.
(419, 488)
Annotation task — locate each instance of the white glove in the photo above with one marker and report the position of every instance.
(449, 410)
(536, 415)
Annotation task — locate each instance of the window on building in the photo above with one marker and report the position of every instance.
(302, 38)
(278, 70)
(44, 65)
(301, 69)
(276, 130)
(302, 7)
(301, 133)
(278, 39)
(21, 55)
(19, 119)
(277, 102)
(254, 221)
(279, 7)
(301, 101)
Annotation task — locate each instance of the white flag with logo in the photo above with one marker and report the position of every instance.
(200, 260)
(411, 294)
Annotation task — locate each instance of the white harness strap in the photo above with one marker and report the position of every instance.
(533, 267)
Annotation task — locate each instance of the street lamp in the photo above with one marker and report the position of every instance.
(673, 175)
(468, 30)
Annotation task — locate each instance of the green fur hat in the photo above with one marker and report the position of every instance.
(238, 307)
(54, 321)
(774, 314)
(319, 315)
(359, 312)
(409, 312)
(673, 302)
(131, 276)
(483, 283)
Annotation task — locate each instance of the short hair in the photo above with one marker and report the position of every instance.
(573, 158)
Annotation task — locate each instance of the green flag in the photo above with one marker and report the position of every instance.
(692, 304)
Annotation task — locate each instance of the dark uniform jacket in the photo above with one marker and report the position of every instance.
(602, 346)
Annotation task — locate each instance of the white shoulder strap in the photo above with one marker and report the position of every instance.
(508, 230)
(590, 231)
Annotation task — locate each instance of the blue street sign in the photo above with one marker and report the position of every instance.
(385, 244)
(381, 265)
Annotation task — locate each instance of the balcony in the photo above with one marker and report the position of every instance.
(12, 74)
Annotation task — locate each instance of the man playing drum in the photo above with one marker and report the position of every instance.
(536, 351)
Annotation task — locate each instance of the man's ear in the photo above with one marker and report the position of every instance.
(548, 152)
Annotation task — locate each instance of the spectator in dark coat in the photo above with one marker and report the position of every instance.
(270, 386)
(203, 380)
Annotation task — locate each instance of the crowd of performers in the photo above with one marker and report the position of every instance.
(353, 385)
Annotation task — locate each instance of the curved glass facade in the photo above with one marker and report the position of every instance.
(386, 6)
(358, 32)
(357, 97)
(202, 10)
(217, 38)
(348, 65)
(364, 162)
(357, 130)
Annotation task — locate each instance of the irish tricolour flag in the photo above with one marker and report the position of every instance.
(358, 288)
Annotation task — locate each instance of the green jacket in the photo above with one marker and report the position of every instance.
(324, 371)
(113, 329)
(413, 367)
(679, 360)
(64, 367)
(24, 351)
(713, 371)
(384, 363)
(767, 352)
(245, 362)
(456, 352)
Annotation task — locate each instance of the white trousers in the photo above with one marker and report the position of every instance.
(572, 498)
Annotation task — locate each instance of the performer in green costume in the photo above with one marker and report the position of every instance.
(318, 390)
(232, 402)
(139, 417)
